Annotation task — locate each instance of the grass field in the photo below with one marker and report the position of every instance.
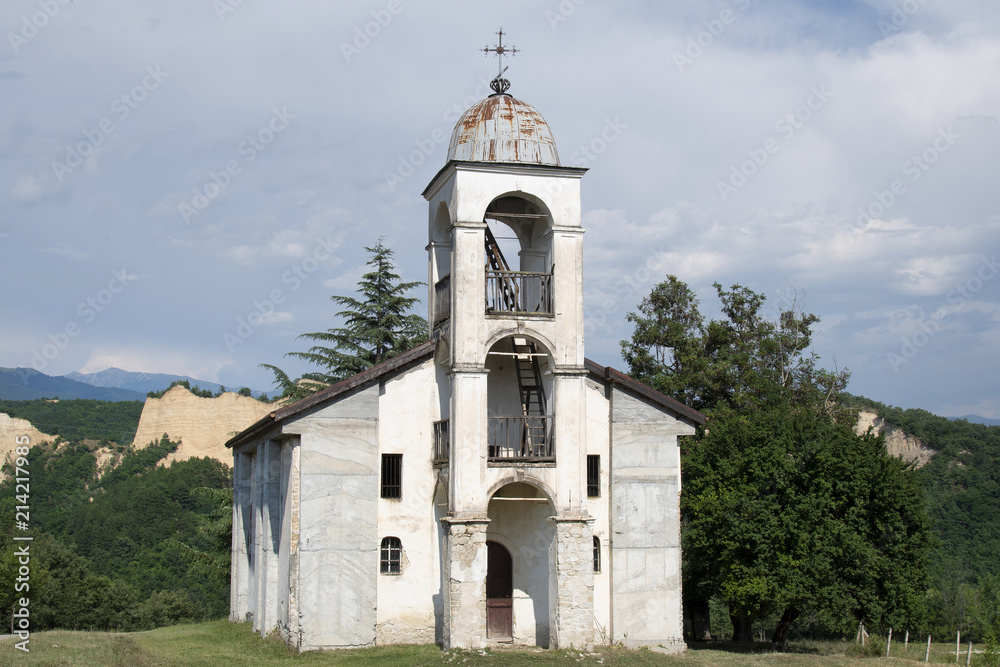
(224, 643)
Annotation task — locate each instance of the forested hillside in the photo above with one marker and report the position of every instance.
(136, 547)
(962, 490)
(80, 419)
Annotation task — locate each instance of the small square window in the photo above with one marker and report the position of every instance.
(593, 475)
(392, 476)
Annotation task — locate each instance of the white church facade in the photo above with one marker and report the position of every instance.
(491, 484)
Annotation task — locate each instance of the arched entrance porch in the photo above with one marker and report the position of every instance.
(519, 530)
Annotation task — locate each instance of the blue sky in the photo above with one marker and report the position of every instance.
(168, 170)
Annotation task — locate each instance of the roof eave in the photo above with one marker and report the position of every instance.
(610, 375)
(400, 362)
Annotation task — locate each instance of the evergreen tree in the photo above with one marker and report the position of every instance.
(377, 326)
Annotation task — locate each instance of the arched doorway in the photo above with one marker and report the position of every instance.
(499, 592)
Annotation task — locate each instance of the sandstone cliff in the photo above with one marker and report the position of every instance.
(897, 443)
(203, 425)
(12, 428)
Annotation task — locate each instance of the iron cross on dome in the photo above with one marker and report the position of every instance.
(499, 84)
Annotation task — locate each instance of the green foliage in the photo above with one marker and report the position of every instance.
(79, 419)
(740, 363)
(962, 482)
(377, 326)
(791, 510)
(111, 552)
(787, 513)
(196, 390)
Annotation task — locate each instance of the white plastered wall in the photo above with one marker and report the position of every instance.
(409, 603)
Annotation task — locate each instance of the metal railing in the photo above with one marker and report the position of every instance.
(442, 300)
(520, 438)
(518, 292)
(441, 441)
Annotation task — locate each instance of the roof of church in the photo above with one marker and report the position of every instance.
(425, 351)
(502, 128)
(613, 376)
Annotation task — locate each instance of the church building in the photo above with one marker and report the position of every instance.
(492, 484)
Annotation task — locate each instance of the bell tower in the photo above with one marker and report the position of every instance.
(506, 305)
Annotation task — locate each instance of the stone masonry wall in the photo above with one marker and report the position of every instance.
(466, 590)
(573, 599)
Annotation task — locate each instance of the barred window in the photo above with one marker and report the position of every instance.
(391, 558)
(597, 554)
(392, 475)
(593, 475)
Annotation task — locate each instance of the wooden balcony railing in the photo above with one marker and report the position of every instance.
(521, 438)
(518, 292)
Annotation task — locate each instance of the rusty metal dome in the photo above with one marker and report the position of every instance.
(502, 128)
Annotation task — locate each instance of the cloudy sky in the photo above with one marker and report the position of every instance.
(171, 170)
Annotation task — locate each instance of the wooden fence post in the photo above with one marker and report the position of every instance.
(888, 643)
(927, 656)
(906, 642)
(958, 644)
(968, 656)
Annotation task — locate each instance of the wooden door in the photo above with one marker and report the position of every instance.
(499, 592)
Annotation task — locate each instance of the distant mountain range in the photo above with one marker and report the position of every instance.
(25, 384)
(976, 419)
(112, 384)
(140, 382)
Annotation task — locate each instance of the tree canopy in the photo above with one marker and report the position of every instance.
(377, 326)
(138, 546)
(786, 511)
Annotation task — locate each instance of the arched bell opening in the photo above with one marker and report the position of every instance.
(519, 401)
(439, 279)
(518, 569)
(518, 256)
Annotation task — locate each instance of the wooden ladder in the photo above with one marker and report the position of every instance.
(506, 285)
(529, 383)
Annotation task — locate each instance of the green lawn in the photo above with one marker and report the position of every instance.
(224, 643)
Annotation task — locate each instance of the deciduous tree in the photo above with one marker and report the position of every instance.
(785, 508)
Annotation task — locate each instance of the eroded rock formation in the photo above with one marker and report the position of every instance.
(897, 442)
(203, 425)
